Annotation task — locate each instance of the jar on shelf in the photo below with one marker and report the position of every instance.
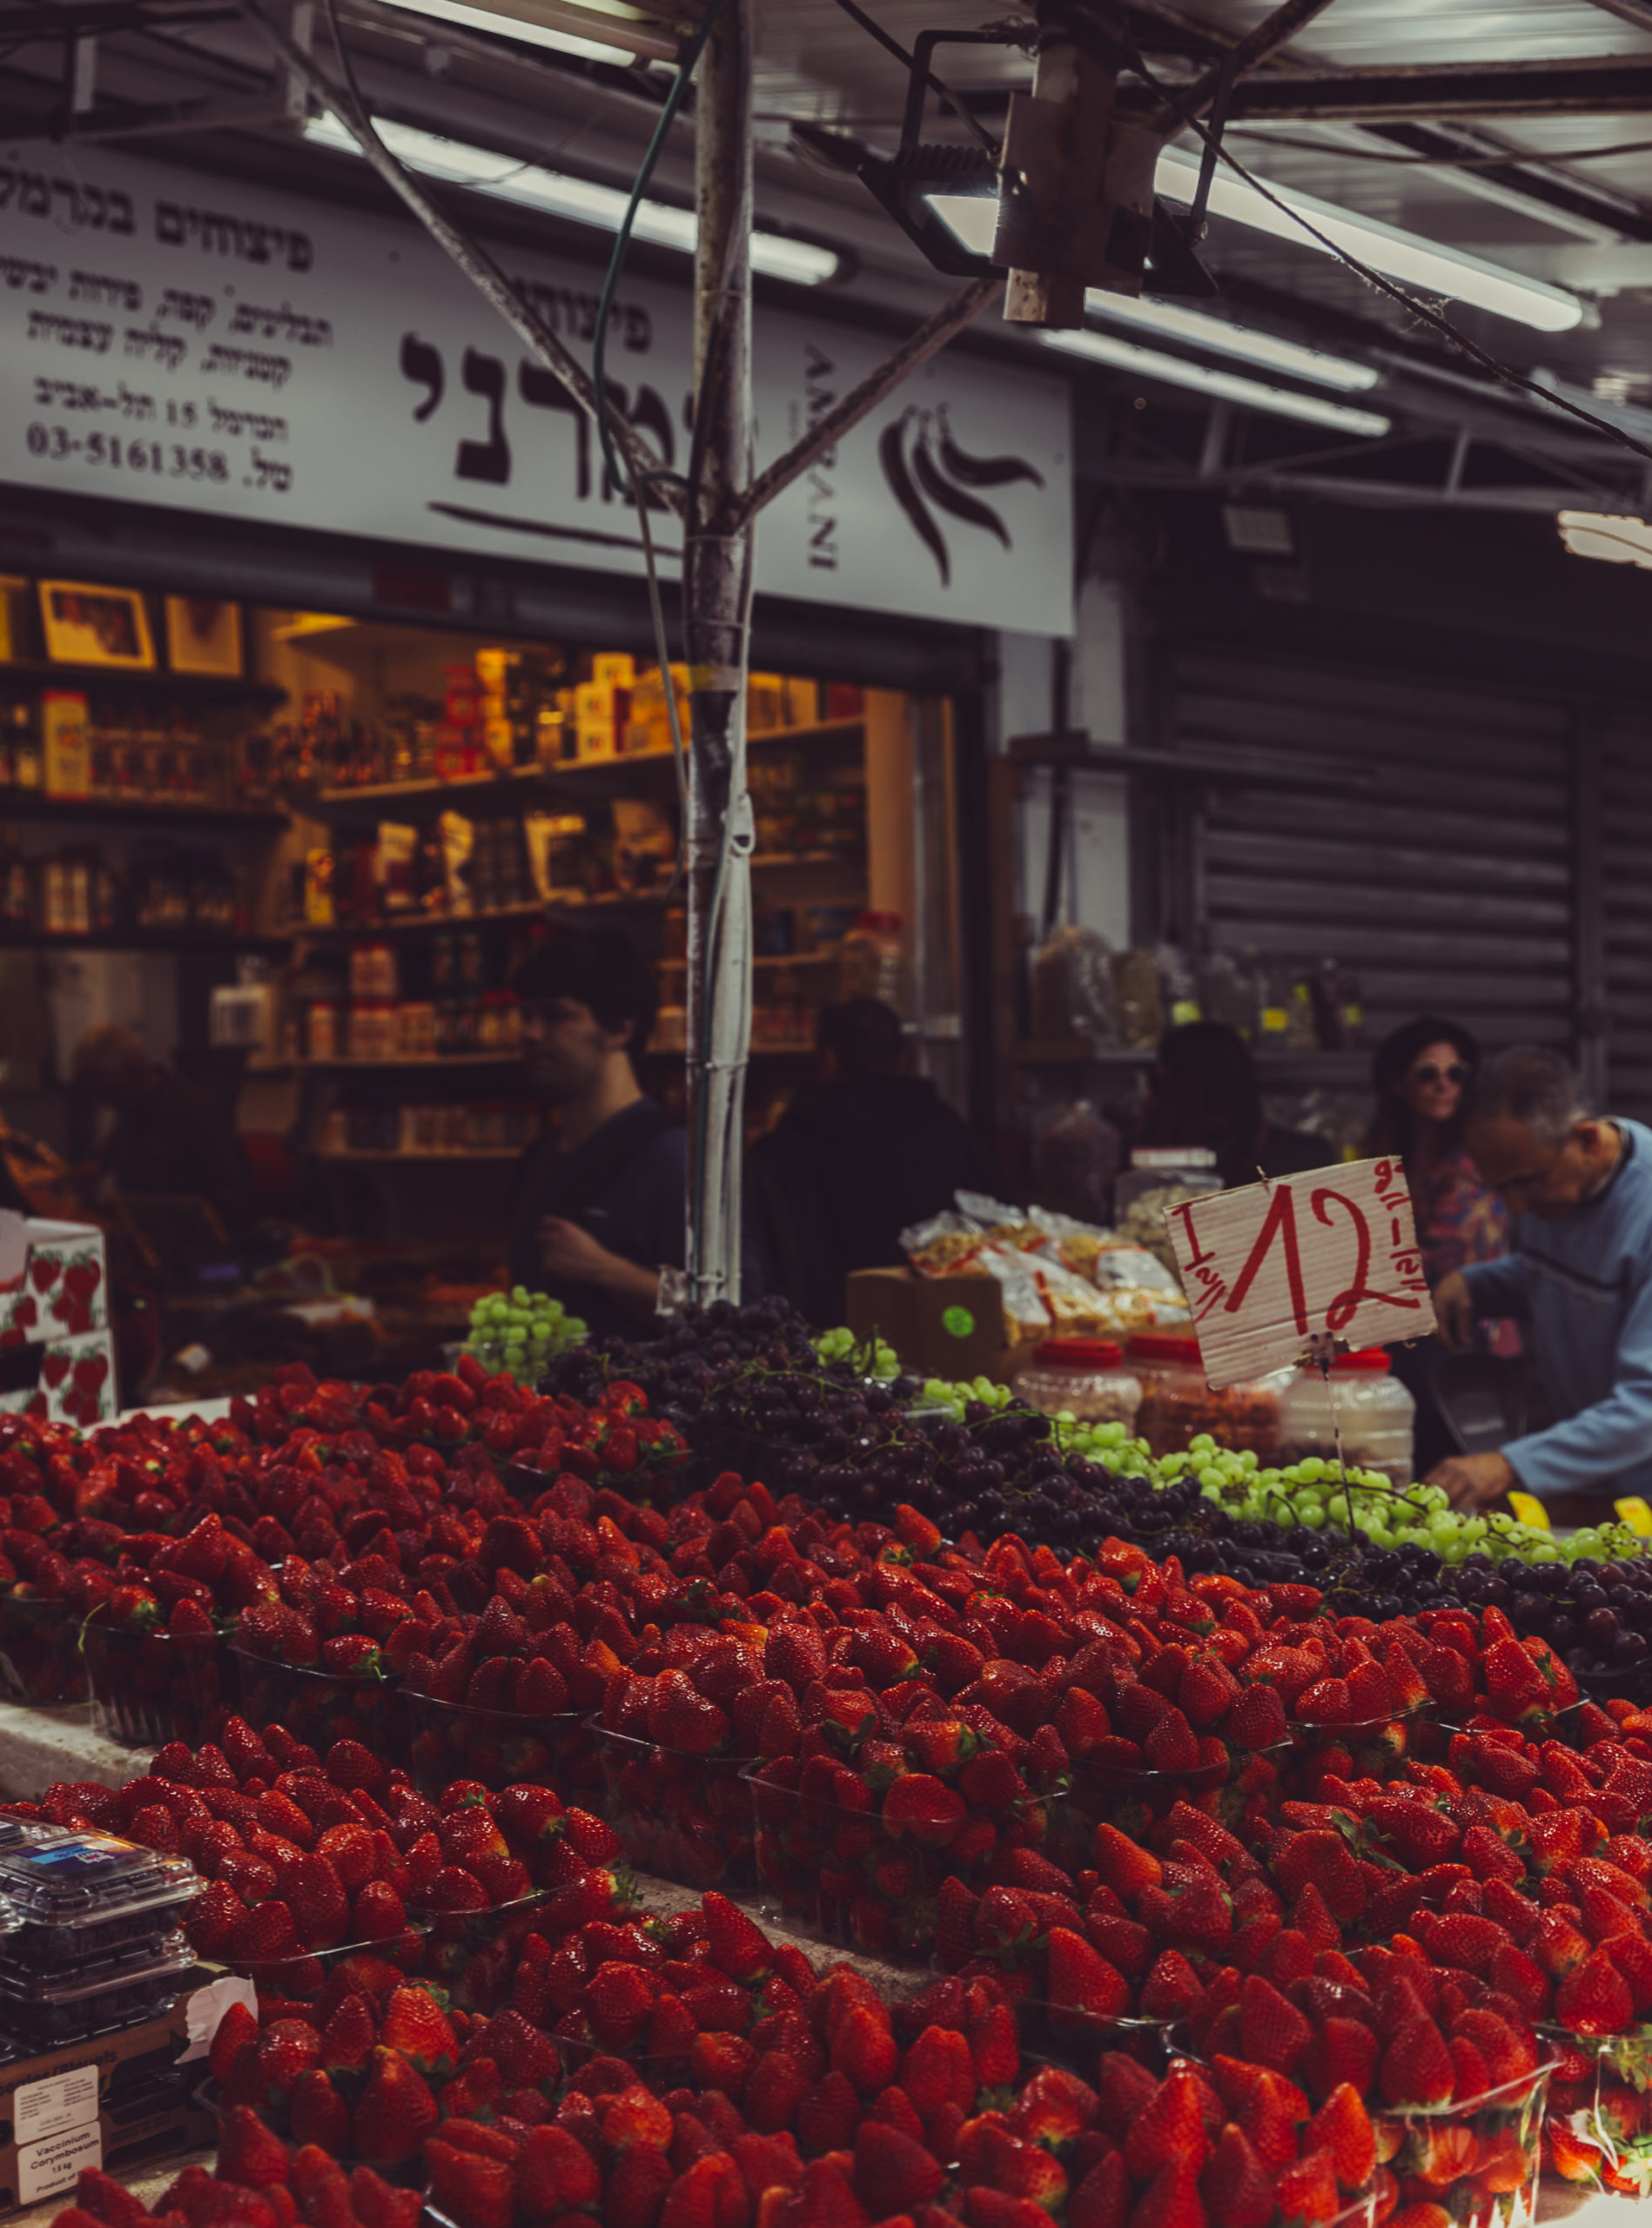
(871, 961)
(321, 1029)
(1177, 1404)
(1364, 1401)
(1084, 1378)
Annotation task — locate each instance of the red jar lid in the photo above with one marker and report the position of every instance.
(1163, 1346)
(1077, 1353)
(1370, 1361)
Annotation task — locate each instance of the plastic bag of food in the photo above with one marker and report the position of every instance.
(1076, 1158)
(945, 1246)
(1003, 1226)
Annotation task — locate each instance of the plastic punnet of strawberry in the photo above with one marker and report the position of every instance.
(1478, 2160)
(178, 1681)
(499, 1748)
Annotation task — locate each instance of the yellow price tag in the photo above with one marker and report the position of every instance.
(1530, 1511)
(1634, 1512)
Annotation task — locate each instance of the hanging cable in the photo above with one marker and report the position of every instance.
(622, 240)
(1505, 373)
(944, 92)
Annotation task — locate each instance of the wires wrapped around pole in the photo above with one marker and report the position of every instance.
(717, 586)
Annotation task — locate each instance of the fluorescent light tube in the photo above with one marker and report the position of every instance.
(1615, 541)
(1242, 341)
(1424, 264)
(518, 27)
(586, 202)
(974, 220)
(1228, 386)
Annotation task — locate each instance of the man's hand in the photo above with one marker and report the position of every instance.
(572, 1256)
(1454, 1307)
(1471, 1480)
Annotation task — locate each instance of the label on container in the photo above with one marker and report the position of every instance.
(1529, 1510)
(958, 1322)
(54, 2164)
(1633, 1511)
(46, 2108)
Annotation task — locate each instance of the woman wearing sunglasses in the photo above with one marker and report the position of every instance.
(1421, 1074)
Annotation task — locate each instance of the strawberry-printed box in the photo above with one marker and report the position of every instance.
(74, 1382)
(54, 1280)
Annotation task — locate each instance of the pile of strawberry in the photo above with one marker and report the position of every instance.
(309, 1865)
(312, 2189)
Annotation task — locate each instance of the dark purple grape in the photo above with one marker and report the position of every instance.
(1601, 1627)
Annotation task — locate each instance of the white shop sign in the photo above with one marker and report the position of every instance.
(1273, 1267)
(169, 336)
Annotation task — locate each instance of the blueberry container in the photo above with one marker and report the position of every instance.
(46, 2009)
(72, 1900)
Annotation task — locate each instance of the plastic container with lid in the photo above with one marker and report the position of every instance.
(46, 2009)
(1177, 1404)
(79, 1897)
(1080, 1377)
(1365, 1401)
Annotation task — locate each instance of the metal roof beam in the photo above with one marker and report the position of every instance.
(1589, 86)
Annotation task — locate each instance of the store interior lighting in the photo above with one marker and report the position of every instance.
(1432, 269)
(1613, 541)
(804, 262)
(1225, 387)
(519, 26)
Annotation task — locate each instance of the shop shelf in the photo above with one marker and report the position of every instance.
(428, 1062)
(854, 861)
(143, 940)
(139, 812)
(420, 1159)
(196, 687)
(145, 1691)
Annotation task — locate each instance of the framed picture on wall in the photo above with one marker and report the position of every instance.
(203, 636)
(86, 625)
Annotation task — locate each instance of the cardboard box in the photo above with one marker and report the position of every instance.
(115, 2102)
(941, 1326)
(54, 1279)
(63, 1380)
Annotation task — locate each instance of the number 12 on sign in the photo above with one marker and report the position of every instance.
(1276, 1266)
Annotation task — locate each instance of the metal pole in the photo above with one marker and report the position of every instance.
(717, 599)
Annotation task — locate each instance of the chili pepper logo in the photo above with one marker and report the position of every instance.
(921, 459)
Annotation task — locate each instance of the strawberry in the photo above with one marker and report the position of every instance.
(829, 2116)
(923, 1808)
(738, 1948)
(1256, 1720)
(1235, 2186)
(479, 2192)
(249, 2153)
(1306, 2190)
(1171, 2199)
(1274, 2031)
(415, 2025)
(555, 2173)
(1123, 1864)
(237, 2025)
(892, 2173)
(1086, 1994)
(1594, 1998)
(1347, 2052)
(1342, 2127)
(1102, 2198)
(1169, 2125)
(318, 2114)
(864, 2048)
(1416, 2066)
(394, 2113)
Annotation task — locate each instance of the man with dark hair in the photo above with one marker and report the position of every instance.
(853, 1159)
(1579, 1274)
(596, 1210)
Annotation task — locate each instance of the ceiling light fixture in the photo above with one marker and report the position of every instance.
(804, 262)
(972, 219)
(527, 29)
(1424, 264)
(1613, 540)
(1226, 386)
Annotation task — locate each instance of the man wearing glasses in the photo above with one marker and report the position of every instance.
(1578, 1275)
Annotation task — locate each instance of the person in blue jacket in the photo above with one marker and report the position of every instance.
(1579, 1274)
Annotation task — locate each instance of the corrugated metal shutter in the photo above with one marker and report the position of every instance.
(1442, 876)
(1626, 816)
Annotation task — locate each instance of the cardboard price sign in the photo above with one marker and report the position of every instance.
(1272, 1268)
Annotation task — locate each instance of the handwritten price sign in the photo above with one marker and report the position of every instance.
(1272, 1267)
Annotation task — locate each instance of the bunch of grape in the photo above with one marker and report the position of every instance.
(519, 1331)
(872, 1357)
